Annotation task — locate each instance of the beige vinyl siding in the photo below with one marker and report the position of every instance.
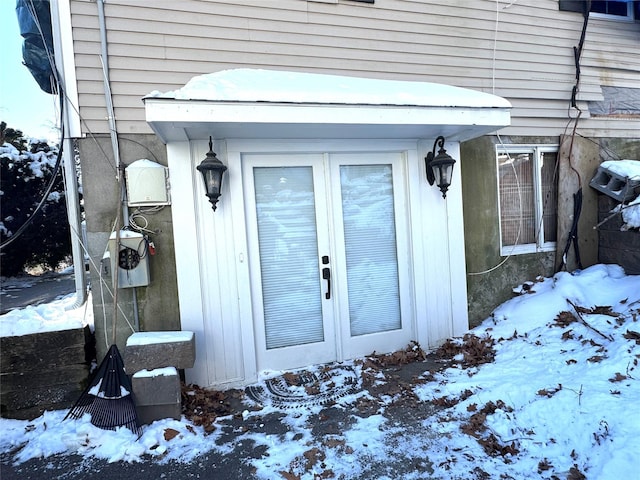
(160, 45)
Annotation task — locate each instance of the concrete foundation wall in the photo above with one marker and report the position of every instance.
(157, 304)
(489, 283)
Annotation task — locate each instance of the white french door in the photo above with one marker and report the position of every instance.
(328, 256)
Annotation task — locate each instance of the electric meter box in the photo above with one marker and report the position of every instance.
(130, 259)
(147, 184)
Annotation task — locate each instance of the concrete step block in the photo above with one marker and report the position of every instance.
(614, 185)
(151, 350)
(157, 394)
(147, 414)
(156, 387)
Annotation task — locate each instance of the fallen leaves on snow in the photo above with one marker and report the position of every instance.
(469, 351)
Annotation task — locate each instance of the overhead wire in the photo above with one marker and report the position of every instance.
(64, 98)
(493, 88)
(56, 169)
(574, 120)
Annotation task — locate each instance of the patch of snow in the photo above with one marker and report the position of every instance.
(97, 391)
(157, 372)
(257, 85)
(624, 168)
(631, 213)
(150, 338)
(565, 399)
(47, 317)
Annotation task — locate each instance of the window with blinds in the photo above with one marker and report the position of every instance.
(528, 198)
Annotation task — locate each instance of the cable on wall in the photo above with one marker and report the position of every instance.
(56, 87)
(572, 238)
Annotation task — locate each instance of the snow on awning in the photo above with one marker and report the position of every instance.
(249, 103)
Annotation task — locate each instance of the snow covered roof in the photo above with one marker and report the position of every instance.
(255, 103)
(251, 85)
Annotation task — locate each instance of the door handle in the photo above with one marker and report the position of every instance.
(326, 275)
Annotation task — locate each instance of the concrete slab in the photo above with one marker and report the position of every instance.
(151, 350)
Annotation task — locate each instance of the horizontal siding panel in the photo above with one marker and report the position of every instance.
(183, 21)
(183, 11)
(133, 99)
(625, 32)
(123, 114)
(440, 74)
(93, 127)
(159, 60)
(160, 46)
(444, 42)
(612, 59)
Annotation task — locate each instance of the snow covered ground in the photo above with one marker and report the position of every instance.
(540, 390)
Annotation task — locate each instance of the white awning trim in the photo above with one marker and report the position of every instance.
(248, 103)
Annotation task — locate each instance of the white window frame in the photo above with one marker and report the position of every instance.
(540, 245)
(629, 17)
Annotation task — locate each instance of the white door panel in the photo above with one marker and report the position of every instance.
(372, 243)
(328, 259)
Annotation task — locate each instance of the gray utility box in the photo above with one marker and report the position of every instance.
(147, 184)
(129, 257)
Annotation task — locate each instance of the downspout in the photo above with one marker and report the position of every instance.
(107, 89)
(114, 145)
(69, 164)
(75, 219)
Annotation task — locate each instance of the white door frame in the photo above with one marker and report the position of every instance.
(337, 343)
(211, 251)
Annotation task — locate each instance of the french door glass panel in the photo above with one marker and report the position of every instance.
(288, 247)
(337, 213)
(370, 248)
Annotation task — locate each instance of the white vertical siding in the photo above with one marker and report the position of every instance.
(521, 50)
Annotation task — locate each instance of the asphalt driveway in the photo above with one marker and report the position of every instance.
(25, 290)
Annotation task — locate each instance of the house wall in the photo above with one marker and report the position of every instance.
(157, 304)
(489, 280)
(522, 51)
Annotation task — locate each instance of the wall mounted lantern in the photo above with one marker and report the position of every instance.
(212, 170)
(439, 167)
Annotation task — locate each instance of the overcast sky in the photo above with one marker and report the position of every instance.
(22, 104)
